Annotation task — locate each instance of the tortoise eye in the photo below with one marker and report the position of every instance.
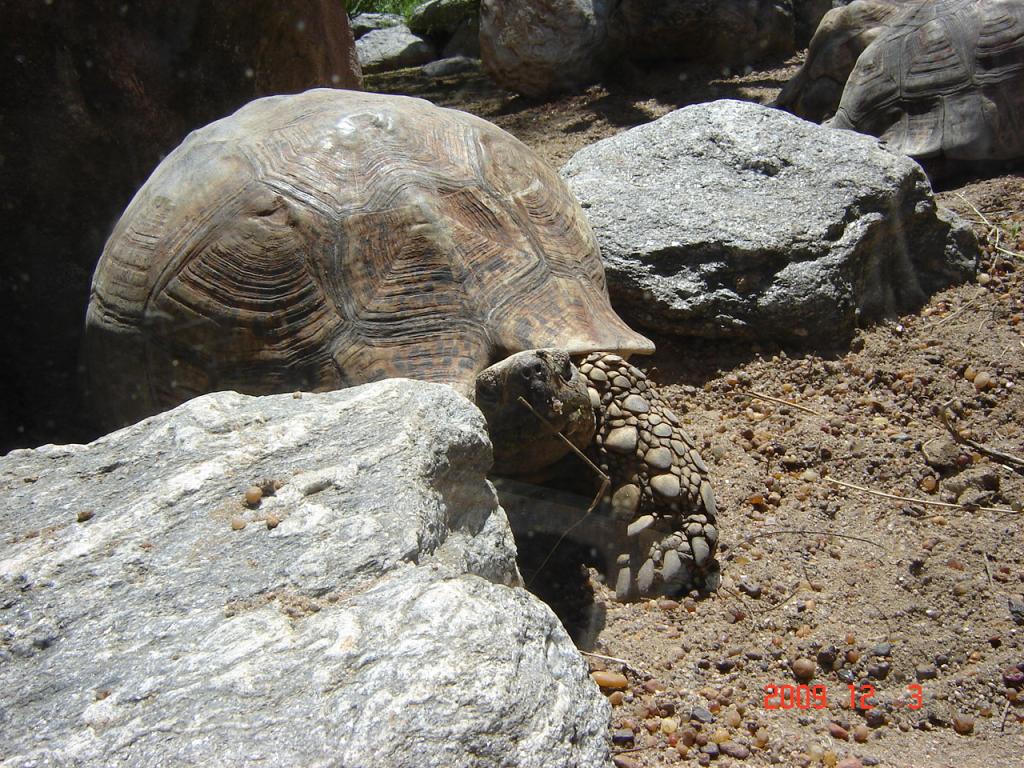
(486, 392)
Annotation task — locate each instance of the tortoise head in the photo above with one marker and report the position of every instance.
(525, 436)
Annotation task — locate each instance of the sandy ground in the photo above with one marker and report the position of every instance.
(914, 601)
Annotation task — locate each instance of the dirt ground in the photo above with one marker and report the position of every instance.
(829, 584)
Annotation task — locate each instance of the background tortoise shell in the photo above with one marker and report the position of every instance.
(332, 238)
(944, 79)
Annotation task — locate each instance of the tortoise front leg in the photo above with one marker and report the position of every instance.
(660, 494)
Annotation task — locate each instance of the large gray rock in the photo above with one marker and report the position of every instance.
(371, 626)
(395, 47)
(724, 31)
(733, 219)
(541, 47)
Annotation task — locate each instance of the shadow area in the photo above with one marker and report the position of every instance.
(556, 542)
(624, 97)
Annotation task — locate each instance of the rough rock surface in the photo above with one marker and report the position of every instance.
(733, 219)
(388, 48)
(360, 617)
(540, 47)
(95, 94)
(725, 31)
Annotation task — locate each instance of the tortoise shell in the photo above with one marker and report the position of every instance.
(944, 79)
(333, 238)
(814, 91)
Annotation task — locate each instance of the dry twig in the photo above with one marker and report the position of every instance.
(815, 533)
(926, 502)
(804, 408)
(992, 228)
(951, 315)
(992, 453)
(614, 660)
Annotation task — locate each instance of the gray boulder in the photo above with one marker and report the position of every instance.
(733, 219)
(440, 18)
(367, 22)
(382, 50)
(450, 66)
(725, 31)
(540, 47)
(362, 615)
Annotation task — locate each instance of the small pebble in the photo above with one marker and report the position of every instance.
(1013, 677)
(734, 749)
(273, 521)
(926, 672)
(669, 725)
(861, 733)
(612, 680)
(237, 523)
(85, 514)
(622, 736)
(879, 670)
(803, 669)
(875, 718)
(253, 495)
(849, 762)
(836, 731)
(963, 724)
(701, 715)
(621, 761)
(616, 698)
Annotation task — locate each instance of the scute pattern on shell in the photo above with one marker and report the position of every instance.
(660, 489)
(333, 238)
(945, 78)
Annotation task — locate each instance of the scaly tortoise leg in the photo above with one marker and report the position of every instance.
(659, 485)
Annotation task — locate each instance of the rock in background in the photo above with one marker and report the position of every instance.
(392, 47)
(360, 617)
(733, 219)
(541, 47)
(725, 31)
(368, 22)
(95, 94)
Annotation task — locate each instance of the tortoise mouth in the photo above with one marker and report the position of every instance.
(534, 401)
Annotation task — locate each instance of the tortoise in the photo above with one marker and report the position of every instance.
(843, 33)
(941, 81)
(332, 238)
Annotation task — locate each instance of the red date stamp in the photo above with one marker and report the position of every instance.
(817, 696)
